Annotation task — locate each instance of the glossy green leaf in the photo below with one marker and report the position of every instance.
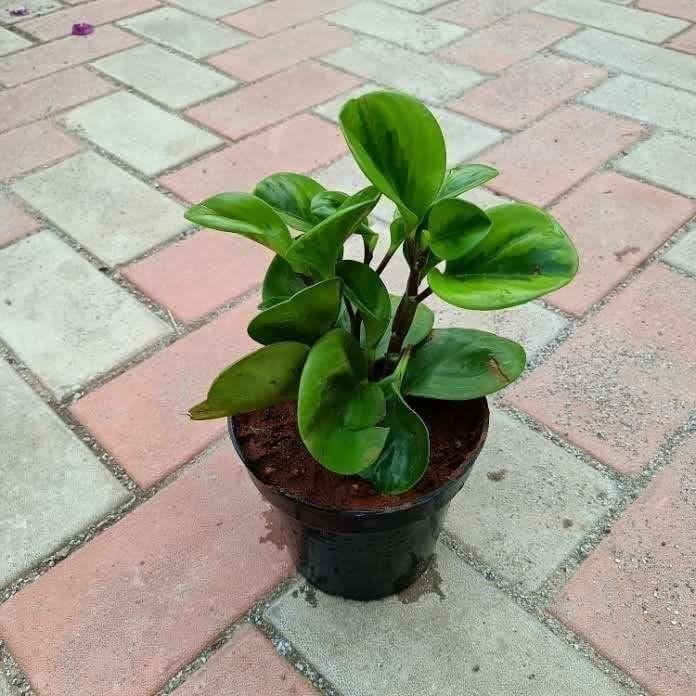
(290, 195)
(525, 254)
(462, 179)
(335, 373)
(398, 144)
(269, 376)
(304, 317)
(368, 294)
(455, 227)
(397, 232)
(327, 203)
(460, 364)
(321, 247)
(406, 453)
(280, 283)
(365, 408)
(243, 214)
(420, 327)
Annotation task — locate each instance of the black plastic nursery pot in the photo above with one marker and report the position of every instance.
(366, 554)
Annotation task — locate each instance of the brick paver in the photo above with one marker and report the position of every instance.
(515, 38)
(616, 224)
(15, 221)
(271, 100)
(300, 144)
(610, 388)
(633, 598)
(247, 664)
(141, 415)
(556, 152)
(585, 106)
(197, 275)
(125, 612)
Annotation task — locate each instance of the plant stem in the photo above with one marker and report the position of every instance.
(383, 263)
(354, 319)
(367, 257)
(423, 294)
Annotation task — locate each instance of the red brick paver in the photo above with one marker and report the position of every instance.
(513, 39)
(685, 42)
(556, 152)
(612, 388)
(634, 597)
(271, 100)
(28, 147)
(300, 144)
(133, 606)
(59, 24)
(685, 9)
(49, 95)
(479, 13)
(198, 274)
(270, 17)
(248, 664)
(527, 90)
(616, 223)
(63, 53)
(14, 222)
(141, 416)
(260, 58)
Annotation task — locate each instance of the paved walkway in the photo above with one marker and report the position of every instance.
(135, 555)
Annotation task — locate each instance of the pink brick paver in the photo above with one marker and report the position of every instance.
(479, 13)
(50, 95)
(527, 90)
(633, 599)
(51, 57)
(141, 415)
(616, 224)
(517, 37)
(14, 222)
(684, 9)
(57, 24)
(684, 42)
(270, 17)
(300, 144)
(273, 99)
(260, 58)
(625, 380)
(248, 664)
(197, 275)
(542, 162)
(28, 147)
(124, 613)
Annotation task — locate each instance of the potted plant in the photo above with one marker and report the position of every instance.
(356, 418)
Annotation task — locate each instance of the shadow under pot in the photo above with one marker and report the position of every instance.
(345, 538)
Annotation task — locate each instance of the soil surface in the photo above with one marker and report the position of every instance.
(276, 454)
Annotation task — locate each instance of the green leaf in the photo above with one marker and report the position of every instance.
(406, 453)
(269, 376)
(420, 327)
(365, 408)
(397, 233)
(290, 195)
(525, 254)
(243, 214)
(304, 317)
(456, 227)
(462, 179)
(280, 283)
(327, 203)
(366, 291)
(399, 146)
(330, 397)
(461, 364)
(322, 246)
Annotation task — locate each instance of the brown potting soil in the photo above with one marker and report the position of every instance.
(275, 453)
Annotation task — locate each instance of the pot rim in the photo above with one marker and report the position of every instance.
(423, 501)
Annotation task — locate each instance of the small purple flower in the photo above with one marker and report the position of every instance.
(82, 29)
(20, 11)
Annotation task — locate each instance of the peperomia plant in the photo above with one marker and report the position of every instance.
(334, 339)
